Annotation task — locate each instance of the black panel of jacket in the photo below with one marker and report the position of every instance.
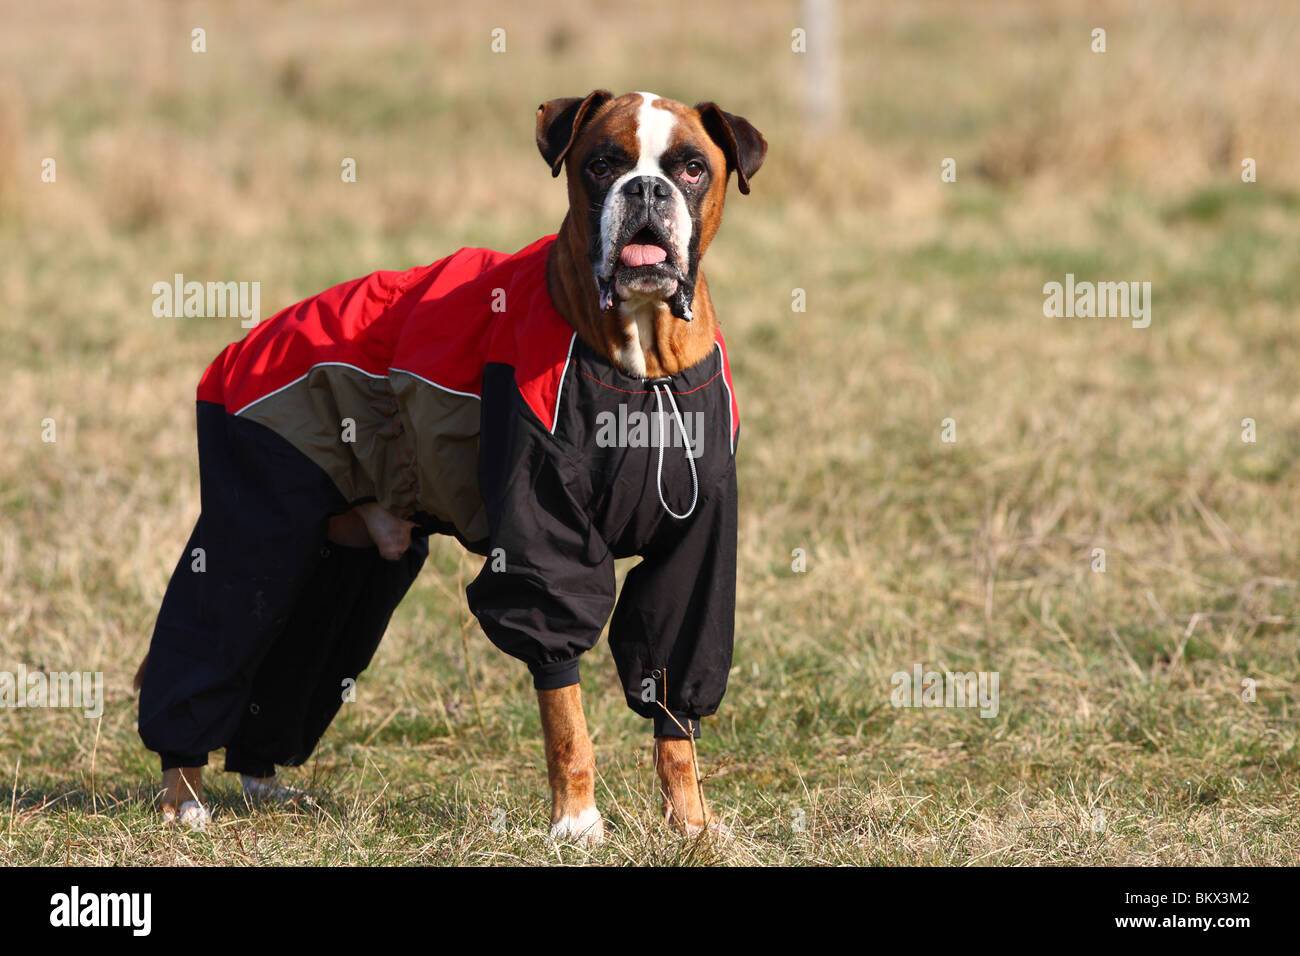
(614, 480)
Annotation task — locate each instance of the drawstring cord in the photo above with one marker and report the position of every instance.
(690, 458)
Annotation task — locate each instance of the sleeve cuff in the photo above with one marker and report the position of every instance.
(664, 726)
(554, 675)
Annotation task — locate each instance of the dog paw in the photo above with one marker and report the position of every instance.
(587, 828)
(391, 535)
(270, 790)
(689, 829)
(715, 828)
(192, 814)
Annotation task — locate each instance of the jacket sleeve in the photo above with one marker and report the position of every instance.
(674, 626)
(547, 586)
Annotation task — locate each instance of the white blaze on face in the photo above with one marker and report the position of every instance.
(654, 133)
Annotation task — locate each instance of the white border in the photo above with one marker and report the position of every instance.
(304, 375)
(435, 384)
(559, 391)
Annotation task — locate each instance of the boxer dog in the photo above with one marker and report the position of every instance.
(490, 423)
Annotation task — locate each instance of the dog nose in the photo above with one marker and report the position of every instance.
(646, 188)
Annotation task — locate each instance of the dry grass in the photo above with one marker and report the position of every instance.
(1120, 692)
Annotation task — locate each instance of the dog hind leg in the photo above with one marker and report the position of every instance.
(182, 799)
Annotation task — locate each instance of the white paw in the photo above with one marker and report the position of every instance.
(271, 790)
(716, 829)
(194, 815)
(587, 828)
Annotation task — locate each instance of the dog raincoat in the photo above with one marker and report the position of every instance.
(457, 397)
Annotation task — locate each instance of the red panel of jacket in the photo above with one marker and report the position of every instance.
(442, 322)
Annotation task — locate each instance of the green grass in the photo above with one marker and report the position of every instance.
(1122, 735)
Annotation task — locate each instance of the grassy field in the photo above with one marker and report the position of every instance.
(1122, 735)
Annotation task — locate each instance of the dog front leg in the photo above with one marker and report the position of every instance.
(570, 767)
(684, 805)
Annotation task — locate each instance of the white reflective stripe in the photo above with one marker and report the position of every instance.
(435, 384)
(304, 375)
(559, 391)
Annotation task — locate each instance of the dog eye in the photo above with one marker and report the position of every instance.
(693, 171)
(598, 167)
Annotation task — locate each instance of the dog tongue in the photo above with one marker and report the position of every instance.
(640, 255)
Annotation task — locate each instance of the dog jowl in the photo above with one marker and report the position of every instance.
(342, 432)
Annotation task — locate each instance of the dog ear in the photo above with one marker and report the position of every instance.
(743, 145)
(559, 121)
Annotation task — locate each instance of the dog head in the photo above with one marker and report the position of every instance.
(647, 181)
